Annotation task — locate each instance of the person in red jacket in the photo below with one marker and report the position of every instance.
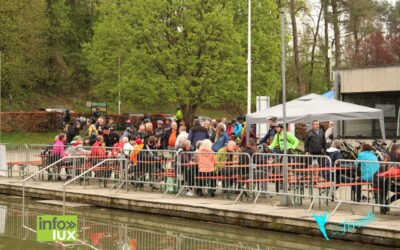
(117, 148)
(98, 151)
(229, 129)
(99, 154)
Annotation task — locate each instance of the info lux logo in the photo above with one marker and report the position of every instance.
(57, 228)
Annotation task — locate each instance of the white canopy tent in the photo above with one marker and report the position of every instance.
(316, 107)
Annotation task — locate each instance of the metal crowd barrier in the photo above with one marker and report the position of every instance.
(151, 170)
(299, 179)
(259, 177)
(209, 171)
(25, 160)
(21, 160)
(372, 183)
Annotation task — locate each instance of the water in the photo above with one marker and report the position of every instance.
(116, 229)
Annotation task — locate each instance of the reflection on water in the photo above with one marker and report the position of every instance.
(114, 229)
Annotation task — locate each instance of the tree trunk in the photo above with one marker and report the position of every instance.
(356, 43)
(299, 84)
(313, 48)
(336, 31)
(189, 112)
(327, 70)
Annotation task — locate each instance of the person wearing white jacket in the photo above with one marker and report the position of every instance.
(183, 135)
(128, 148)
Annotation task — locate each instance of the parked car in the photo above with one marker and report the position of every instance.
(58, 110)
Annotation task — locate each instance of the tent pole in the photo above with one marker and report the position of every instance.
(382, 125)
(336, 96)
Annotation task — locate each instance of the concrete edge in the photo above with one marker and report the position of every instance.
(368, 235)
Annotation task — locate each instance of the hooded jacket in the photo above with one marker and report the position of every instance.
(368, 169)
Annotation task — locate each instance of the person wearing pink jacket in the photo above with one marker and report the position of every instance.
(58, 153)
(58, 147)
(206, 161)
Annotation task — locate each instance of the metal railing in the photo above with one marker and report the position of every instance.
(41, 171)
(199, 171)
(304, 172)
(259, 177)
(21, 160)
(83, 175)
(367, 183)
(153, 170)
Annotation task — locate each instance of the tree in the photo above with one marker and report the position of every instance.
(60, 35)
(393, 24)
(188, 53)
(327, 77)
(266, 47)
(374, 50)
(70, 26)
(314, 44)
(336, 32)
(361, 16)
(299, 80)
(23, 44)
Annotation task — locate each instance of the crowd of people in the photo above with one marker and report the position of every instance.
(222, 137)
(99, 138)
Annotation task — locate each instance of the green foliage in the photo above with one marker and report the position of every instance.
(23, 40)
(71, 23)
(168, 52)
(40, 42)
(266, 47)
(59, 33)
(190, 53)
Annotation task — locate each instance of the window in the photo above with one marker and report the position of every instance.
(389, 102)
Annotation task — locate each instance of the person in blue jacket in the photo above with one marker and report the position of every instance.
(237, 129)
(368, 168)
(221, 138)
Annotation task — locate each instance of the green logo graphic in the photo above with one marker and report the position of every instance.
(57, 227)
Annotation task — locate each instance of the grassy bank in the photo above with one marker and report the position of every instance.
(27, 137)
